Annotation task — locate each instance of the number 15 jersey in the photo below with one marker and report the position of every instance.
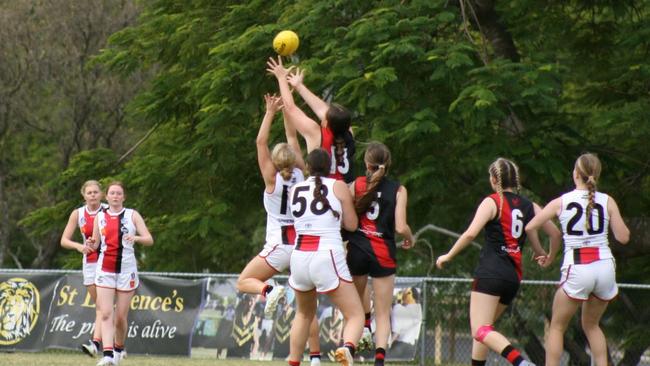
(584, 244)
(279, 222)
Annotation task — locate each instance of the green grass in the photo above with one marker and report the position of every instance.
(68, 358)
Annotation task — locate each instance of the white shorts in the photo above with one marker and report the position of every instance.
(278, 256)
(125, 281)
(89, 271)
(321, 269)
(598, 279)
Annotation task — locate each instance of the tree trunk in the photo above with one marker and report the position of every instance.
(495, 32)
(4, 219)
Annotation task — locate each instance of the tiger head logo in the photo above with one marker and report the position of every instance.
(19, 310)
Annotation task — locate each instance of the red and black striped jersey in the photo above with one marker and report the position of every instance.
(504, 239)
(376, 232)
(342, 169)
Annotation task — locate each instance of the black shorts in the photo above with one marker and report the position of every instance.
(363, 262)
(506, 290)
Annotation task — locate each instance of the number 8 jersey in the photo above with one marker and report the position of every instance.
(504, 239)
(584, 244)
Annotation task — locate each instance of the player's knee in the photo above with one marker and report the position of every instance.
(481, 332)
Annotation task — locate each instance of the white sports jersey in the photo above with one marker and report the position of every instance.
(117, 254)
(316, 226)
(279, 222)
(582, 244)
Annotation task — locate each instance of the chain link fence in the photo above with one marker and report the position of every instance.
(446, 337)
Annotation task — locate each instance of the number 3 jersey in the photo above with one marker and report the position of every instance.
(279, 222)
(504, 239)
(584, 244)
(376, 232)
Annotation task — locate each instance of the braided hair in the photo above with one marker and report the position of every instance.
(506, 174)
(378, 159)
(588, 168)
(318, 163)
(284, 159)
(338, 120)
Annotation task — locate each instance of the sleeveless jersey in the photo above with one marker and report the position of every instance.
(376, 232)
(117, 255)
(86, 222)
(317, 227)
(505, 236)
(279, 222)
(344, 170)
(582, 244)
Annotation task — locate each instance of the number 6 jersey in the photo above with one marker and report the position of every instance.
(582, 244)
(504, 239)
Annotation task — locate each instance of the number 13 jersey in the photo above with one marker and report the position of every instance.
(504, 239)
(582, 244)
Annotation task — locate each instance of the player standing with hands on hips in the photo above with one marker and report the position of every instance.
(588, 269)
(504, 215)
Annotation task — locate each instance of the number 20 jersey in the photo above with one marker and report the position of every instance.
(279, 222)
(504, 239)
(573, 219)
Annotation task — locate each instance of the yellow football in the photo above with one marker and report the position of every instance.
(286, 43)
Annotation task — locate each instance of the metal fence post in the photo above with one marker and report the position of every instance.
(424, 322)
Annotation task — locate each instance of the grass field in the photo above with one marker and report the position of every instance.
(66, 358)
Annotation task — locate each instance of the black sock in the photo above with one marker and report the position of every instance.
(368, 322)
(118, 349)
(96, 343)
(108, 352)
(266, 290)
(512, 355)
(350, 347)
(478, 362)
(313, 355)
(380, 354)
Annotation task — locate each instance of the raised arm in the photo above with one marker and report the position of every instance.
(484, 213)
(68, 232)
(268, 170)
(620, 230)
(306, 126)
(349, 217)
(292, 140)
(401, 225)
(317, 105)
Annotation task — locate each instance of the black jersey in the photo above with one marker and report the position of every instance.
(504, 239)
(344, 169)
(376, 232)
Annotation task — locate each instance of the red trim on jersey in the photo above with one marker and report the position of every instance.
(586, 255)
(512, 244)
(113, 240)
(87, 232)
(326, 142)
(378, 245)
(308, 243)
(288, 234)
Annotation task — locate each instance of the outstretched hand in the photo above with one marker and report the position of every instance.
(276, 68)
(296, 77)
(273, 103)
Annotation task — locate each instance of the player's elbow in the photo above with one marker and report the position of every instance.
(623, 236)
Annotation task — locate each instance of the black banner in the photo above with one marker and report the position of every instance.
(24, 304)
(161, 319)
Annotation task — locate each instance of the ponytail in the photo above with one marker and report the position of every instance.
(318, 196)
